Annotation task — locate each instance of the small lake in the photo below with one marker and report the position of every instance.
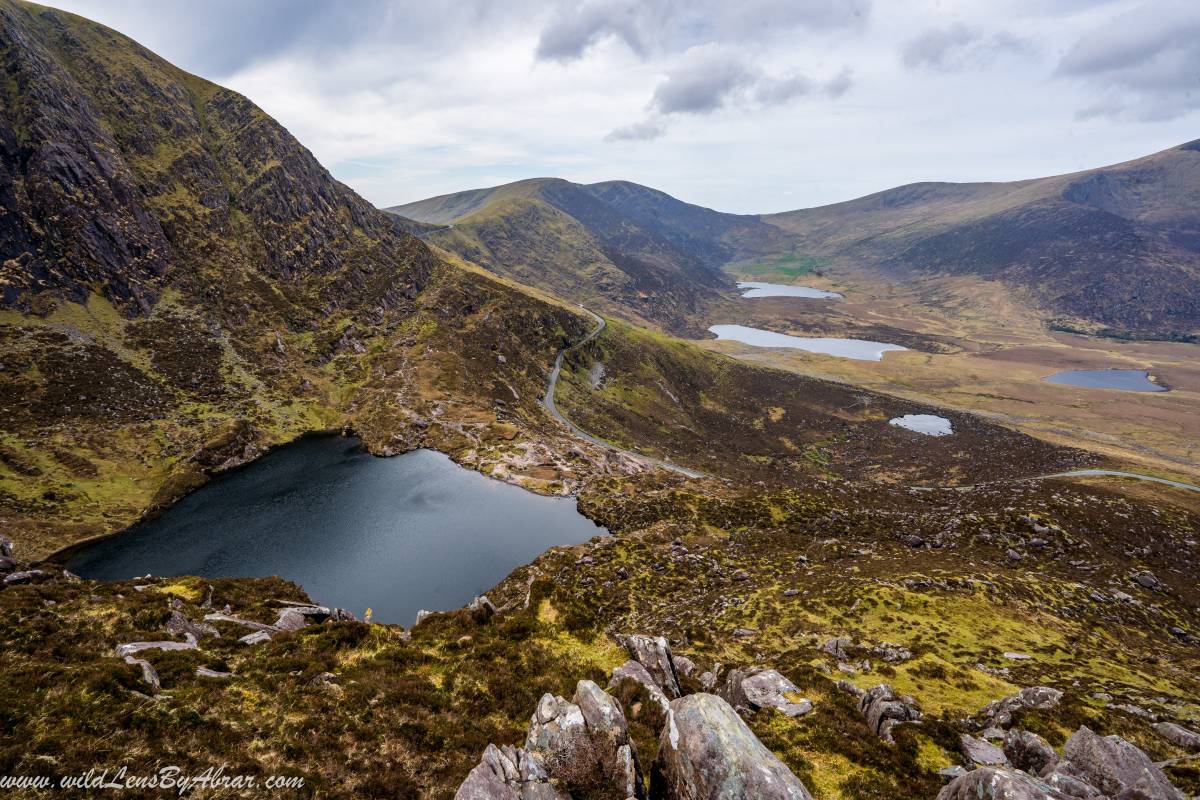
(757, 289)
(393, 534)
(860, 349)
(1129, 380)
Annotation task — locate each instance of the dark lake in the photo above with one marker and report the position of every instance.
(393, 534)
(1131, 380)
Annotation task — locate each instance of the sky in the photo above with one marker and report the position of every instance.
(751, 107)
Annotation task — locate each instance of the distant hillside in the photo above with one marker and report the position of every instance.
(1113, 250)
(618, 246)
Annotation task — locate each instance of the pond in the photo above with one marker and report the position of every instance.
(393, 534)
(1129, 380)
(757, 289)
(860, 349)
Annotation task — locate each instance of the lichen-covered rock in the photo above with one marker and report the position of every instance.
(1029, 752)
(653, 653)
(982, 752)
(883, 709)
(749, 690)
(634, 670)
(839, 647)
(1179, 736)
(999, 783)
(706, 752)
(1116, 767)
(180, 625)
(584, 745)
(999, 713)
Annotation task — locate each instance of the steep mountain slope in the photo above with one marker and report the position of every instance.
(620, 247)
(184, 285)
(1114, 249)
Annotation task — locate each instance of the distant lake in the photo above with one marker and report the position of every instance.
(928, 424)
(757, 289)
(860, 349)
(1130, 380)
(394, 534)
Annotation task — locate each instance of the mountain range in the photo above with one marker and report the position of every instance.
(1114, 250)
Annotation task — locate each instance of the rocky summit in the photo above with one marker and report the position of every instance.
(784, 596)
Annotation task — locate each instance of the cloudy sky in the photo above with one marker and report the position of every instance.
(751, 106)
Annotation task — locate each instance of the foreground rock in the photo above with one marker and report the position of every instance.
(572, 748)
(999, 783)
(982, 752)
(653, 653)
(706, 752)
(1116, 768)
(749, 690)
(1029, 752)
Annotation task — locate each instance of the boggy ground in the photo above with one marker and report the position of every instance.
(742, 422)
(956, 578)
(980, 346)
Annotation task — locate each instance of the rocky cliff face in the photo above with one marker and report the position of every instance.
(174, 266)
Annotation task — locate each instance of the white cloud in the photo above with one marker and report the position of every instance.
(755, 106)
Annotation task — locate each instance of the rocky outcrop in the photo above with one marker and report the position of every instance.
(653, 653)
(1029, 752)
(706, 752)
(584, 745)
(1179, 736)
(982, 752)
(749, 690)
(578, 748)
(999, 783)
(633, 670)
(999, 713)
(1116, 768)
(882, 708)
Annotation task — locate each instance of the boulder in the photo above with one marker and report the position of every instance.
(205, 672)
(749, 690)
(180, 625)
(258, 637)
(999, 713)
(1179, 736)
(584, 746)
(892, 653)
(839, 647)
(635, 671)
(245, 623)
(1116, 768)
(6, 547)
(8, 564)
(149, 673)
(508, 773)
(999, 783)
(982, 752)
(653, 653)
(291, 619)
(24, 576)
(1063, 778)
(683, 665)
(1029, 752)
(883, 709)
(137, 647)
(706, 752)
(1147, 580)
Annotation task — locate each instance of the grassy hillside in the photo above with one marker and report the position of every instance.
(622, 248)
(1114, 250)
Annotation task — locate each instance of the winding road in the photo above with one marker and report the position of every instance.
(548, 402)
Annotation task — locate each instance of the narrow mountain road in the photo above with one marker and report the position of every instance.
(1075, 473)
(548, 402)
